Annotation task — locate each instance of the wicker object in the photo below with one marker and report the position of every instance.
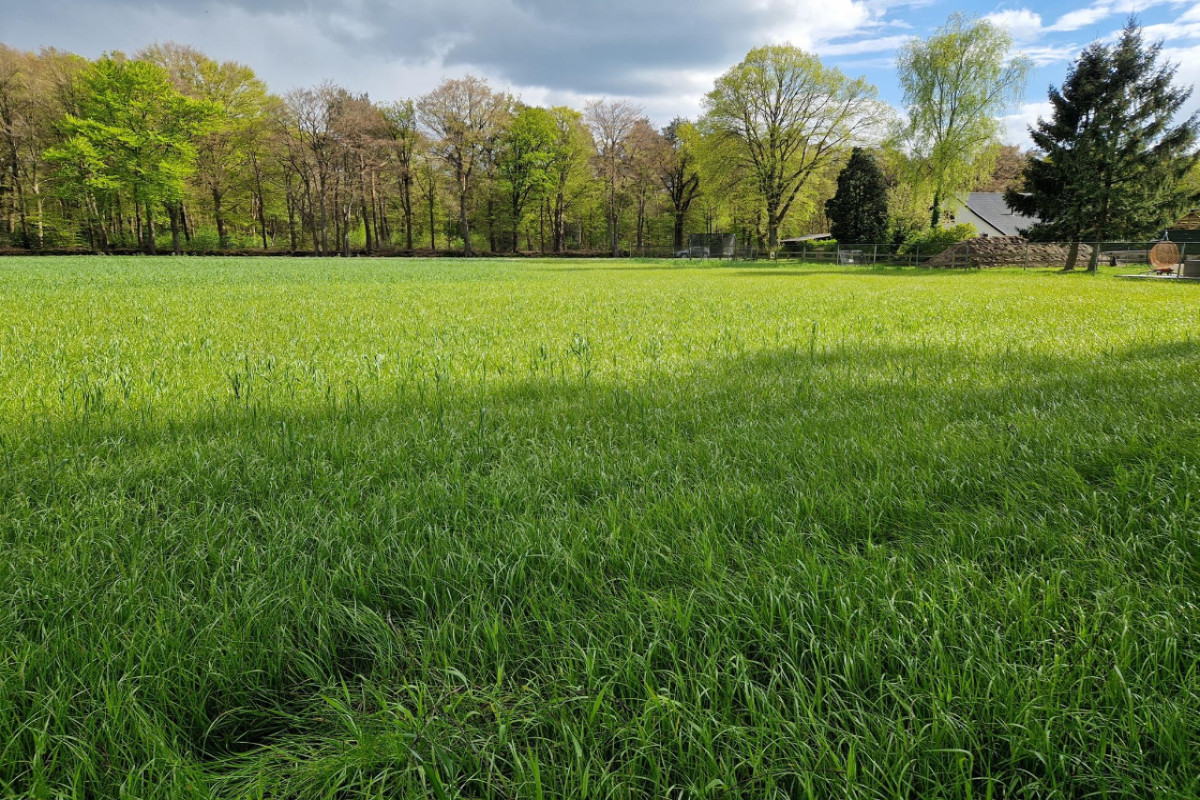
(1164, 254)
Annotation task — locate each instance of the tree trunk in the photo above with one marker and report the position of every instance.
(432, 224)
(1072, 256)
(772, 228)
(362, 204)
(19, 193)
(368, 230)
(151, 245)
(678, 235)
(374, 219)
(262, 211)
(185, 224)
(324, 218)
(219, 216)
(291, 212)
(491, 224)
(173, 214)
(93, 213)
(641, 221)
(41, 212)
(516, 223)
(1101, 226)
(464, 227)
(556, 223)
(406, 206)
(935, 215)
(614, 238)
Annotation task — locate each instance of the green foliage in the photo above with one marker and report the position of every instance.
(681, 172)
(135, 133)
(956, 84)
(233, 135)
(930, 242)
(821, 244)
(525, 156)
(1111, 162)
(784, 117)
(858, 210)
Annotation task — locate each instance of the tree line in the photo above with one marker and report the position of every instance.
(171, 150)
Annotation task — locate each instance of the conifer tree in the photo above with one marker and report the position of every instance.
(1110, 163)
(858, 210)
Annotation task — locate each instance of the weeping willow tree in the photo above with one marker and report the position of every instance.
(956, 83)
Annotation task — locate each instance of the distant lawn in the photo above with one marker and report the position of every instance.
(311, 528)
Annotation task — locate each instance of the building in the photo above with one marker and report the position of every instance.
(1186, 230)
(990, 216)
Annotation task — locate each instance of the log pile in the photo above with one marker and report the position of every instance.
(1006, 251)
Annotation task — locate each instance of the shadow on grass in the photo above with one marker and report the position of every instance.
(487, 546)
(618, 266)
(768, 271)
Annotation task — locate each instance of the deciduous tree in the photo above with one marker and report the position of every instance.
(524, 159)
(223, 152)
(464, 118)
(612, 123)
(955, 85)
(135, 133)
(573, 148)
(789, 117)
(406, 141)
(680, 173)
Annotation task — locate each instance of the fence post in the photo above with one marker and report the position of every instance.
(875, 255)
(1025, 264)
(917, 256)
(804, 252)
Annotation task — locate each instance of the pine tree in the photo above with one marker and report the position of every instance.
(858, 211)
(1110, 164)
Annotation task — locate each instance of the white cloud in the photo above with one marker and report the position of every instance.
(1016, 125)
(881, 45)
(1081, 18)
(1022, 24)
(1173, 31)
(1188, 74)
(1045, 55)
(1103, 9)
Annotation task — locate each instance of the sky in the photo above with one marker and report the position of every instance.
(661, 54)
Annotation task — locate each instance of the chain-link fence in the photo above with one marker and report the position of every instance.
(729, 251)
(1180, 259)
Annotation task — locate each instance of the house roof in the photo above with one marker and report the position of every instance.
(1191, 222)
(812, 237)
(990, 207)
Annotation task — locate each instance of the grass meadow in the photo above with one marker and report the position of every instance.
(305, 528)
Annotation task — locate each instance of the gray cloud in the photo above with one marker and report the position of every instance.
(645, 49)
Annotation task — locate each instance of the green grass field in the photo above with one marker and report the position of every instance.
(557, 529)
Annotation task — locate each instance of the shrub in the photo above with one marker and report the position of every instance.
(930, 242)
